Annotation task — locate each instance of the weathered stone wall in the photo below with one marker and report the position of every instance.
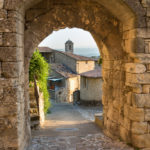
(137, 108)
(70, 85)
(84, 66)
(37, 116)
(66, 60)
(91, 90)
(123, 37)
(125, 101)
(50, 57)
(14, 112)
(73, 84)
(61, 95)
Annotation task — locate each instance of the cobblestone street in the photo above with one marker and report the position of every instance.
(67, 129)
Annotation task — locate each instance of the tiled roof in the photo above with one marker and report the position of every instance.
(97, 73)
(74, 56)
(63, 70)
(45, 49)
(77, 57)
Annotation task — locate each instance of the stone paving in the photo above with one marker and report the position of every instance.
(89, 142)
(67, 129)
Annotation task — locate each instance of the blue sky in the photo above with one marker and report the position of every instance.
(81, 39)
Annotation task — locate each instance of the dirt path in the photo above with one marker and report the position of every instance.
(67, 129)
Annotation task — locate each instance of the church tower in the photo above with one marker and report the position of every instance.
(69, 46)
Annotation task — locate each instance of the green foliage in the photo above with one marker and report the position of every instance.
(39, 70)
(100, 60)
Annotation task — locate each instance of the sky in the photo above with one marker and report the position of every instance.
(80, 38)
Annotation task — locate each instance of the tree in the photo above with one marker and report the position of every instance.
(39, 70)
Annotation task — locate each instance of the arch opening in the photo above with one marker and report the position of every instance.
(121, 30)
(106, 31)
(65, 83)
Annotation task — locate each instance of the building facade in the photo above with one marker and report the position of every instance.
(69, 46)
(66, 68)
(91, 87)
(62, 83)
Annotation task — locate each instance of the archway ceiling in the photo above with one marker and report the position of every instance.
(114, 6)
(44, 18)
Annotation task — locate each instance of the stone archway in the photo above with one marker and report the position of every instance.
(120, 30)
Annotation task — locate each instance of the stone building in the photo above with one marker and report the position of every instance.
(69, 46)
(66, 67)
(78, 64)
(91, 87)
(62, 83)
(48, 54)
(121, 29)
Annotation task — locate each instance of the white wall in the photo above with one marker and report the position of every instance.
(73, 85)
(93, 89)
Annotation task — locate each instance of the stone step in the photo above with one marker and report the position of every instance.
(35, 124)
(35, 121)
(99, 120)
(33, 111)
(33, 105)
(34, 118)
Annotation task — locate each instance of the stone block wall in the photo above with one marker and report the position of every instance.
(66, 60)
(37, 116)
(84, 66)
(14, 129)
(127, 116)
(123, 37)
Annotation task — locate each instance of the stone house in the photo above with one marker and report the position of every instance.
(62, 83)
(91, 87)
(66, 69)
(48, 54)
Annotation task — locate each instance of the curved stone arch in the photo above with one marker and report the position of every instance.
(107, 30)
(128, 21)
(127, 18)
(122, 6)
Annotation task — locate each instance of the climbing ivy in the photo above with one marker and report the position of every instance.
(39, 70)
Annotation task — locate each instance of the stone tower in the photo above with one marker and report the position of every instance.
(69, 46)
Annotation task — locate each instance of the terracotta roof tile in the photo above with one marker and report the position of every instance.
(93, 73)
(78, 57)
(45, 49)
(74, 56)
(63, 70)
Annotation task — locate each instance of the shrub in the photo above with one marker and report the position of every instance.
(100, 61)
(39, 70)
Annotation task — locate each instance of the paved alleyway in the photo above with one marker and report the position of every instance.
(67, 129)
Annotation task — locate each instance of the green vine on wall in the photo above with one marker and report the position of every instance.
(39, 70)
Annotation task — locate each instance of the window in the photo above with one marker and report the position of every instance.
(70, 47)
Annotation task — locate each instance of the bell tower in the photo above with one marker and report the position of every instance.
(69, 46)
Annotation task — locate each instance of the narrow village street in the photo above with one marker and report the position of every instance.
(71, 127)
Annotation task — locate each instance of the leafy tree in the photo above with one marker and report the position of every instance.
(39, 70)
